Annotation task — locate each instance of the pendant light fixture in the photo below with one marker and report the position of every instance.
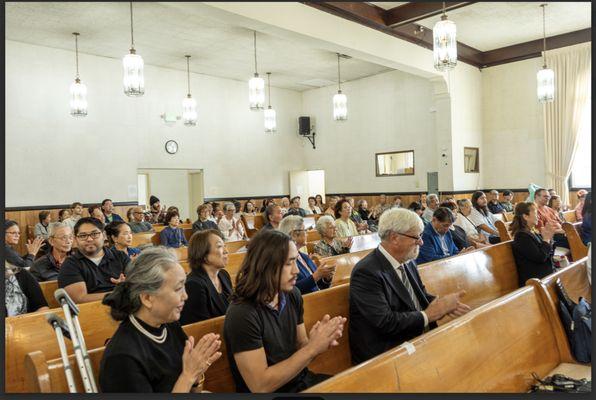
(78, 90)
(269, 113)
(256, 86)
(189, 105)
(444, 43)
(340, 101)
(545, 77)
(134, 81)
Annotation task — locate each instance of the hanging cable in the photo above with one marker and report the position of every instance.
(132, 38)
(255, 48)
(269, 87)
(338, 74)
(76, 35)
(188, 72)
(543, 35)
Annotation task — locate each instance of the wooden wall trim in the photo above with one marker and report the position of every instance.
(67, 206)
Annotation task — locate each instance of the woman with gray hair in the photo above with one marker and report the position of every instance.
(149, 351)
(310, 278)
(330, 245)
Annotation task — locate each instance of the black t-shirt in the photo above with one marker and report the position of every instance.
(133, 363)
(78, 268)
(249, 327)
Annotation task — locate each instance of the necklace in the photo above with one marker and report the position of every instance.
(157, 339)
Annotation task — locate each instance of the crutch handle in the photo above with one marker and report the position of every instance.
(56, 321)
(63, 298)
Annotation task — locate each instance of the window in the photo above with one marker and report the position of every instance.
(581, 175)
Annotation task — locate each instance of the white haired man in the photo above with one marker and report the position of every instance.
(388, 301)
(432, 203)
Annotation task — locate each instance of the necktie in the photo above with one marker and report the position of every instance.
(404, 279)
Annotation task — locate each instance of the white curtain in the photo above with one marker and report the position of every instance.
(562, 117)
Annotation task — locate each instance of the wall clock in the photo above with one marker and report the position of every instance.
(171, 147)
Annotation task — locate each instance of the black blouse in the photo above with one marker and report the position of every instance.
(204, 302)
(533, 256)
(133, 363)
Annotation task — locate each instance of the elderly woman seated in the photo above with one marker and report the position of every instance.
(149, 351)
(12, 234)
(120, 237)
(475, 238)
(345, 226)
(203, 222)
(231, 226)
(330, 245)
(310, 278)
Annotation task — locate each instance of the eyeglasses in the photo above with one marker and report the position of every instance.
(299, 230)
(92, 235)
(63, 238)
(416, 238)
(138, 212)
(13, 233)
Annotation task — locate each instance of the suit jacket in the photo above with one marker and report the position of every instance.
(305, 280)
(431, 249)
(203, 300)
(382, 314)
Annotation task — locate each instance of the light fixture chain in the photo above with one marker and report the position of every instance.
(543, 34)
(188, 72)
(269, 87)
(443, 8)
(132, 38)
(338, 74)
(77, 52)
(255, 49)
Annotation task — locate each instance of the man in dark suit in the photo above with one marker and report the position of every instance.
(388, 301)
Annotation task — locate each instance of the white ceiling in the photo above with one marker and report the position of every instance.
(165, 32)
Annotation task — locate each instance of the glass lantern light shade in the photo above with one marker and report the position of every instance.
(256, 93)
(134, 80)
(270, 121)
(444, 45)
(189, 111)
(78, 99)
(545, 85)
(340, 106)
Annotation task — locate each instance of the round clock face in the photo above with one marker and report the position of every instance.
(171, 147)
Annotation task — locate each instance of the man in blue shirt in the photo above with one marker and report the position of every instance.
(438, 242)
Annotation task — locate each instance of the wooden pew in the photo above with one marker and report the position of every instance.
(47, 375)
(312, 236)
(494, 348)
(344, 264)
(570, 216)
(578, 248)
(249, 225)
(143, 238)
(48, 288)
(503, 229)
(508, 216)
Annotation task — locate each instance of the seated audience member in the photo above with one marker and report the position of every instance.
(365, 214)
(379, 208)
(285, 205)
(22, 293)
(158, 212)
(172, 235)
(555, 203)
(129, 215)
(218, 212)
(546, 215)
(493, 202)
(320, 203)
(460, 238)
(42, 228)
(437, 239)
(330, 245)
(47, 267)
(210, 216)
(331, 206)
(237, 208)
(95, 212)
(272, 216)
(203, 222)
(463, 221)
(267, 344)
(63, 215)
(388, 301)
(422, 201)
(344, 224)
(396, 201)
(589, 264)
(295, 208)
(76, 213)
(208, 285)
(533, 252)
(92, 270)
(313, 208)
(587, 219)
(12, 234)
(552, 192)
(230, 226)
(432, 203)
(138, 223)
(506, 203)
(107, 207)
(120, 237)
(361, 225)
(581, 196)
(264, 205)
(482, 218)
(416, 207)
(249, 209)
(149, 351)
(310, 278)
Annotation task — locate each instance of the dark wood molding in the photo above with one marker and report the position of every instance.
(412, 12)
(67, 206)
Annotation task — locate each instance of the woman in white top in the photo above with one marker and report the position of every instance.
(463, 221)
(312, 207)
(230, 226)
(345, 226)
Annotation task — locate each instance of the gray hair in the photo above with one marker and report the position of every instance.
(494, 191)
(228, 205)
(145, 274)
(323, 222)
(462, 202)
(432, 196)
(398, 220)
(55, 226)
(290, 223)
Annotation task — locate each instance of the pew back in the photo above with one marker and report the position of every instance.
(48, 288)
(578, 248)
(570, 216)
(503, 229)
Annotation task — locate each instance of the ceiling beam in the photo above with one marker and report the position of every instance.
(412, 12)
(532, 49)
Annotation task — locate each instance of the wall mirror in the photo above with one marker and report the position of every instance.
(395, 163)
(471, 159)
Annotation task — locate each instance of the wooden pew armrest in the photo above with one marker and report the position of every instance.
(37, 376)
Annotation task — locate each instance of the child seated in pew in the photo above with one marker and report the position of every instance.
(268, 347)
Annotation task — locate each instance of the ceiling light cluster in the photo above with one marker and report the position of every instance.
(545, 77)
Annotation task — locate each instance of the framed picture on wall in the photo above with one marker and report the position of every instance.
(471, 159)
(394, 163)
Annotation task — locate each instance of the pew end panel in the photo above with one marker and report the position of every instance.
(578, 249)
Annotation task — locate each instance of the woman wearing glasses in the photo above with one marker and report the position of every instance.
(12, 234)
(47, 267)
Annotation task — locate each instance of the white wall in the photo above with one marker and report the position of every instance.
(171, 188)
(386, 112)
(53, 158)
(513, 126)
